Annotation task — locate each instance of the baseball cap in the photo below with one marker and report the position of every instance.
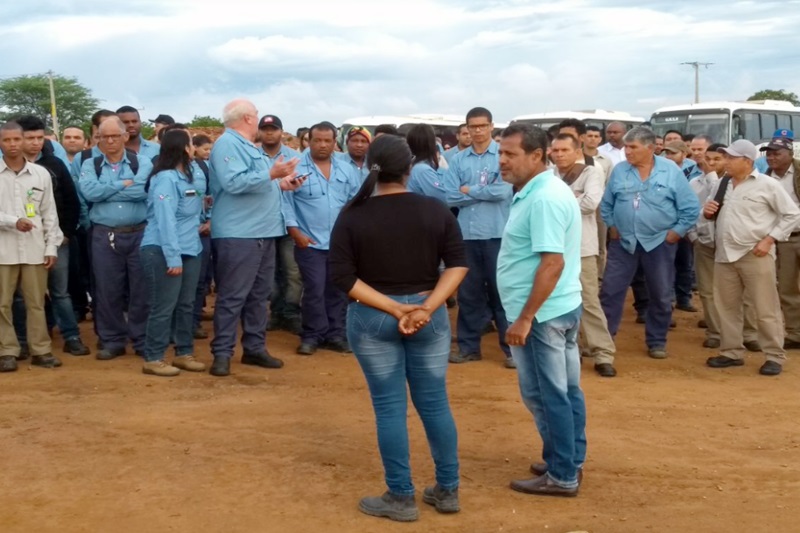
(676, 147)
(359, 130)
(163, 119)
(786, 134)
(741, 148)
(270, 121)
(778, 143)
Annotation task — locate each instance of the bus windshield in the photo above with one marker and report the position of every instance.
(714, 124)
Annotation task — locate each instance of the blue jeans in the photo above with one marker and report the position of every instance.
(684, 272)
(658, 266)
(58, 308)
(389, 360)
(202, 281)
(549, 370)
(478, 297)
(171, 302)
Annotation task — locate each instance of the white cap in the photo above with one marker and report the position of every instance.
(741, 148)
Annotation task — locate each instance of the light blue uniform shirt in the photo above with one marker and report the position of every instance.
(761, 164)
(643, 211)
(75, 170)
(450, 153)
(148, 149)
(690, 169)
(61, 153)
(427, 181)
(113, 204)
(173, 216)
(544, 218)
(247, 203)
(285, 151)
(484, 211)
(362, 172)
(316, 205)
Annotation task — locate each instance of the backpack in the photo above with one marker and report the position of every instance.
(133, 161)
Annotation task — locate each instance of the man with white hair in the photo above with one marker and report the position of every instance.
(246, 187)
(648, 207)
(752, 212)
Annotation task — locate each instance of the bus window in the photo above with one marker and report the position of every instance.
(768, 125)
(752, 128)
(796, 122)
(784, 122)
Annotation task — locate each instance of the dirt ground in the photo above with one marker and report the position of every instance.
(673, 446)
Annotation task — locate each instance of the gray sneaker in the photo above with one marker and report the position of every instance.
(657, 352)
(391, 506)
(445, 501)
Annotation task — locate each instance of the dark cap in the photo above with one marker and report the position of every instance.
(779, 143)
(270, 121)
(163, 119)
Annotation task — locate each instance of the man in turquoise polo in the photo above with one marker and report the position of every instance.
(538, 278)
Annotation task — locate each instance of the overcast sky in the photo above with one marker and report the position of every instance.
(312, 60)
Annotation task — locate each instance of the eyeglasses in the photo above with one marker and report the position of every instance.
(476, 127)
(111, 137)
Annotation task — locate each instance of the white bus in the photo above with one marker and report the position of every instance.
(726, 122)
(445, 126)
(590, 117)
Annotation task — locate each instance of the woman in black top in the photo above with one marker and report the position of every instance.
(385, 252)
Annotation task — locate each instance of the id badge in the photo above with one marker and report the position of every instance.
(30, 210)
(636, 201)
(190, 192)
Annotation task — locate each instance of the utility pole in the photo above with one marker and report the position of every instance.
(697, 65)
(53, 105)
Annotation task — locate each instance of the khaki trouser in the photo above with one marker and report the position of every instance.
(32, 282)
(602, 241)
(753, 278)
(789, 285)
(594, 327)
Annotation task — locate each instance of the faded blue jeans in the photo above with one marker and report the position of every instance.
(389, 360)
(171, 303)
(549, 370)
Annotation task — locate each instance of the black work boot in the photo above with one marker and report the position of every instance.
(391, 506)
(445, 501)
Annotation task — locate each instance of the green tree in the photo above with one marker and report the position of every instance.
(30, 95)
(771, 94)
(205, 122)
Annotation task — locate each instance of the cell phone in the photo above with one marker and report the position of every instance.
(299, 178)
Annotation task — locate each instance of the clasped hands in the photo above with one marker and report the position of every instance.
(411, 318)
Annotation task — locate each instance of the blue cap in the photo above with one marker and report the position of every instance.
(785, 134)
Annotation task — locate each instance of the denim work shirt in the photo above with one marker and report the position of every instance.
(113, 204)
(483, 211)
(173, 216)
(316, 205)
(643, 211)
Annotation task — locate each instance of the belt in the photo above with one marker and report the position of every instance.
(795, 234)
(123, 229)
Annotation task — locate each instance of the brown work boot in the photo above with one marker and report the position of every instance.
(160, 368)
(188, 362)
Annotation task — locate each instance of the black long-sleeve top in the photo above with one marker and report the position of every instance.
(65, 195)
(395, 243)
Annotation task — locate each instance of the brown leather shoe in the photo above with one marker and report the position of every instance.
(543, 486)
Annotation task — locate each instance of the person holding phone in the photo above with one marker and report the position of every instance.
(310, 212)
(170, 255)
(386, 248)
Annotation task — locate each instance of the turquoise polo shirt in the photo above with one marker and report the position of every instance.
(544, 218)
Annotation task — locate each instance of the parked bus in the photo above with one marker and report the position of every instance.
(591, 117)
(726, 122)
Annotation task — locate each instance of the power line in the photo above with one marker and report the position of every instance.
(697, 65)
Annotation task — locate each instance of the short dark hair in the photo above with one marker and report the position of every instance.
(477, 112)
(673, 131)
(74, 127)
(689, 137)
(388, 129)
(201, 139)
(592, 127)
(568, 137)
(11, 125)
(322, 126)
(716, 146)
(461, 126)
(127, 109)
(98, 116)
(574, 123)
(533, 138)
(170, 127)
(30, 123)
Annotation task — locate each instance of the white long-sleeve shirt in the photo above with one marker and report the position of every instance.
(33, 185)
(588, 189)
